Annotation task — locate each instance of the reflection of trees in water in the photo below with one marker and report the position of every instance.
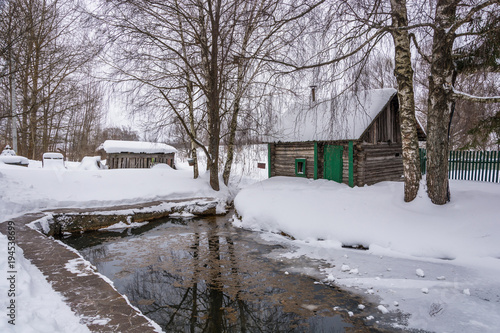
(96, 255)
(208, 283)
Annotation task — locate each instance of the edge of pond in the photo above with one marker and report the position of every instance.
(91, 295)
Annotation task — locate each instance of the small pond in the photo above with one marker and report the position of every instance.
(204, 275)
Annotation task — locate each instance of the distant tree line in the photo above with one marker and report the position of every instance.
(49, 99)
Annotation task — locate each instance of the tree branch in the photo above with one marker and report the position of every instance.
(472, 98)
(377, 35)
(184, 125)
(470, 15)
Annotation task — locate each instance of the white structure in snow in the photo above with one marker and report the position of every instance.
(53, 161)
(9, 156)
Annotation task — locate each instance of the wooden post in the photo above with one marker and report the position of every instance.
(269, 160)
(315, 160)
(351, 164)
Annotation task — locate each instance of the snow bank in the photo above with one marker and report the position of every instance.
(377, 217)
(91, 163)
(30, 189)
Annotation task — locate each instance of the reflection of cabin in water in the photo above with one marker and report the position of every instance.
(136, 154)
(355, 140)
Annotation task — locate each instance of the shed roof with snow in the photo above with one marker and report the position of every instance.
(343, 118)
(136, 147)
(136, 154)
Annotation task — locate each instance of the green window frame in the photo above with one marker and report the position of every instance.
(300, 167)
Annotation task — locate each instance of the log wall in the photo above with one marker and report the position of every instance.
(283, 157)
(372, 163)
(381, 162)
(138, 161)
(385, 127)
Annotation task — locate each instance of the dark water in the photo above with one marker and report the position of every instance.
(203, 275)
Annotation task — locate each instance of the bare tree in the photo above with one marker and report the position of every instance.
(472, 25)
(198, 57)
(49, 50)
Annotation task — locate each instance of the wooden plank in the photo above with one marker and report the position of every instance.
(369, 167)
(281, 149)
(287, 147)
(492, 158)
(269, 164)
(482, 166)
(491, 166)
(383, 159)
(294, 151)
(468, 174)
(382, 174)
(389, 168)
(395, 173)
(488, 167)
(385, 152)
(371, 181)
(497, 168)
(293, 157)
(378, 144)
(374, 164)
(475, 164)
(466, 165)
(461, 165)
(451, 165)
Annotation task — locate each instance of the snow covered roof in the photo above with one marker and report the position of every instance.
(343, 118)
(138, 147)
(14, 159)
(53, 156)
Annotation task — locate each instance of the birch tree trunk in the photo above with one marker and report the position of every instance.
(190, 97)
(194, 155)
(404, 76)
(213, 94)
(440, 103)
(230, 145)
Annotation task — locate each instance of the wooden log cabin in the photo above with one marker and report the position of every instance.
(136, 154)
(354, 140)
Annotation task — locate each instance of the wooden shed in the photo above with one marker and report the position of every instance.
(354, 140)
(136, 154)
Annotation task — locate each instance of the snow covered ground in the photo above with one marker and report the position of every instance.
(441, 264)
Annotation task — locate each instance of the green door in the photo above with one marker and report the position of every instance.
(333, 163)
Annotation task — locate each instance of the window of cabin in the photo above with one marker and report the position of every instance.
(300, 167)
